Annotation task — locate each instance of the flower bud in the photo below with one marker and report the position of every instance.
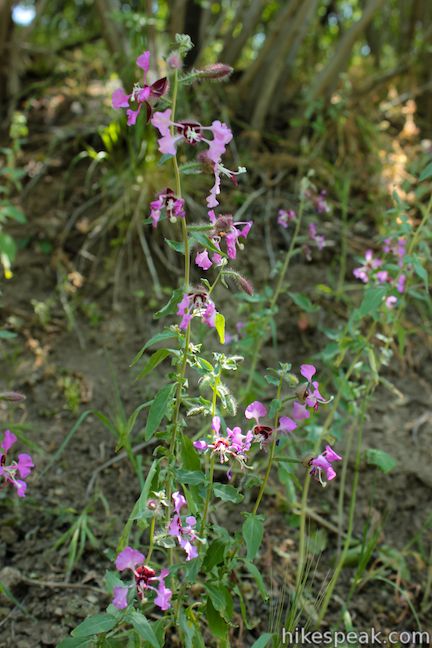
(215, 72)
(174, 61)
(13, 397)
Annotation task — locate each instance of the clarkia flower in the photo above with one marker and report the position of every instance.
(145, 580)
(309, 394)
(197, 304)
(22, 467)
(322, 465)
(369, 265)
(231, 447)
(318, 239)
(141, 95)
(262, 433)
(285, 216)
(173, 206)
(226, 230)
(184, 532)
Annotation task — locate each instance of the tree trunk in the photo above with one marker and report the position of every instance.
(233, 46)
(6, 31)
(327, 80)
(115, 39)
(272, 73)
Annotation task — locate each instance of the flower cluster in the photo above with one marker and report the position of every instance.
(141, 95)
(231, 447)
(197, 304)
(22, 467)
(168, 201)
(372, 271)
(185, 533)
(224, 230)
(145, 580)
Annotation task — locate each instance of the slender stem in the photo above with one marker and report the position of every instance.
(271, 455)
(274, 299)
(212, 460)
(151, 541)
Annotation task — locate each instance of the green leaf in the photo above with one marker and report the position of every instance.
(155, 359)
(94, 625)
(221, 600)
(143, 627)
(218, 627)
(159, 337)
(177, 246)
(158, 410)
(381, 459)
(214, 555)
(256, 574)
(71, 642)
(421, 272)
(171, 306)
(190, 476)
(426, 173)
(164, 158)
(372, 301)
(206, 242)
(190, 457)
(303, 302)
(13, 212)
(220, 327)
(253, 531)
(227, 493)
(7, 335)
(263, 641)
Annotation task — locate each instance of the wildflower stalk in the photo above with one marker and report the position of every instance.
(275, 298)
(151, 540)
(271, 455)
(212, 459)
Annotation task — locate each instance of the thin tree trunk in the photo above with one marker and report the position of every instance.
(252, 78)
(327, 80)
(115, 38)
(272, 73)
(6, 30)
(233, 46)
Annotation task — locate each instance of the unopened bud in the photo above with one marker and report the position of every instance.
(174, 61)
(152, 504)
(13, 397)
(215, 71)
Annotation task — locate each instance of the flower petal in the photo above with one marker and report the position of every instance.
(255, 410)
(128, 559)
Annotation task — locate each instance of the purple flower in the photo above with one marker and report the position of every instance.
(400, 286)
(307, 371)
(233, 446)
(319, 240)
(173, 206)
(322, 465)
(145, 580)
(228, 230)
(262, 433)
(309, 394)
(197, 304)
(370, 264)
(185, 533)
(299, 411)
(22, 467)
(285, 217)
(391, 301)
(202, 260)
(140, 95)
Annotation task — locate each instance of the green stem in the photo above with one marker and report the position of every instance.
(212, 460)
(271, 455)
(151, 541)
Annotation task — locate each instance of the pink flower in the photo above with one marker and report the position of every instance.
(322, 465)
(307, 371)
(22, 467)
(262, 433)
(145, 580)
(184, 533)
(228, 230)
(285, 217)
(197, 304)
(370, 264)
(309, 393)
(400, 286)
(233, 446)
(202, 260)
(391, 301)
(314, 236)
(173, 206)
(140, 95)
(299, 411)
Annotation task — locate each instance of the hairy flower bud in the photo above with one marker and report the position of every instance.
(215, 72)
(174, 61)
(13, 397)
